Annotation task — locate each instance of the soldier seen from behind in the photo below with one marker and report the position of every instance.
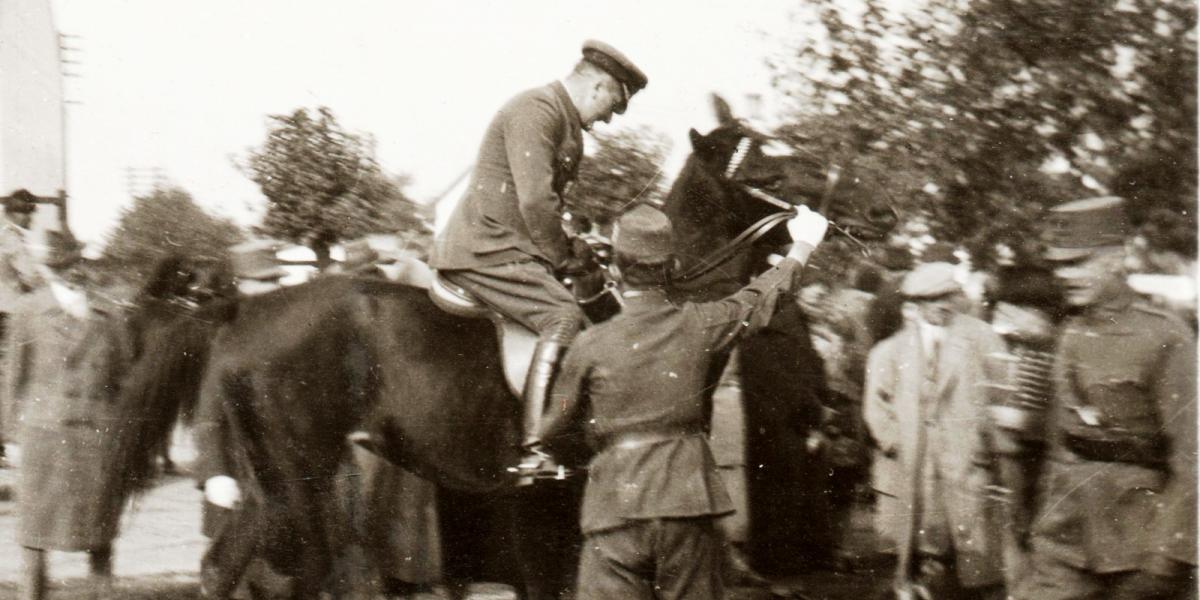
(633, 387)
(1117, 512)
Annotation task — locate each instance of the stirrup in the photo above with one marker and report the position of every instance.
(536, 465)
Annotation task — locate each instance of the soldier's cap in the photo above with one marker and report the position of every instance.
(612, 61)
(643, 235)
(1075, 229)
(256, 259)
(20, 202)
(63, 249)
(930, 280)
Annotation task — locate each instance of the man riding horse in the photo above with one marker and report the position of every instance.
(505, 241)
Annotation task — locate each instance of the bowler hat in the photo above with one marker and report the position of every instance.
(256, 259)
(612, 61)
(930, 280)
(20, 201)
(643, 235)
(1075, 229)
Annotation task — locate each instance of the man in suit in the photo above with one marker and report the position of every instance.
(925, 405)
(504, 243)
(1118, 493)
(636, 385)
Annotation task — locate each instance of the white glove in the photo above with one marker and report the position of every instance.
(807, 226)
(223, 491)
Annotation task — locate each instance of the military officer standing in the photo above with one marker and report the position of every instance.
(638, 381)
(1117, 514)
(505, 242)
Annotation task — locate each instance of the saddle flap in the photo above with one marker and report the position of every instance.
(516, 341)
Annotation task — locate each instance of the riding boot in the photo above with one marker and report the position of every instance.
(536, 464)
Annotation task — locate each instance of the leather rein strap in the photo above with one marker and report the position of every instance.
(760, 228)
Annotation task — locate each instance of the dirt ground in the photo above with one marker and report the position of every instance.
(158, 552)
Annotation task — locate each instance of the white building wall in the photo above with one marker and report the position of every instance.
(31, 104)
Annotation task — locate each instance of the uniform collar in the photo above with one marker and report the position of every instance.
(643, 299)
(560, 90)
(1118, 303)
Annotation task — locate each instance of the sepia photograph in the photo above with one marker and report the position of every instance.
(598, 300)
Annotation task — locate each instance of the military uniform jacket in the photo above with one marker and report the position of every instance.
(511, 210)
(644, 372)
(932, 418)
(65, 375)
(1131, 370)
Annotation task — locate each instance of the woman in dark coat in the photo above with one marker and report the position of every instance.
(66, 357)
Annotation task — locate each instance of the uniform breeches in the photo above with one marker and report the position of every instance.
(527, 293)
(655, 558)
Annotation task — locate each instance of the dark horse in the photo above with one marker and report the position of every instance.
(296, 371)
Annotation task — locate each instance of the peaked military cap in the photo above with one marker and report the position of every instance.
(644, 235)
(613, 62)
(930, 280)
(1075, 229)
(256, 259)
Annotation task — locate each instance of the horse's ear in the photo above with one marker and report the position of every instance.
(697, 140)
(722, 110)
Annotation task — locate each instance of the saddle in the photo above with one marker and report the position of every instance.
(516, 341)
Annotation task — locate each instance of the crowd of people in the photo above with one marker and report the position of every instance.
(1037, 442)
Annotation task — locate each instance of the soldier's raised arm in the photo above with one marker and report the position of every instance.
(751, 308)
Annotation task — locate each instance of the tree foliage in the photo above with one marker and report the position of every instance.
(984, 112)
(323, 184)
(166, 221)
(623, 168)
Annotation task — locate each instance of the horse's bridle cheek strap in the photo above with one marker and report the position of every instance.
(738, 157)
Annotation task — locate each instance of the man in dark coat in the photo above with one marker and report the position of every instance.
(505, 241)
(257, 271)
(638, 381)
(1118, 495)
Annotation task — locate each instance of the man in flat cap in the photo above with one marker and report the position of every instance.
(632, 387)
(1118, 496)
(925, 405)
(505, 243)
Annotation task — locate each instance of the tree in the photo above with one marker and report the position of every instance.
(323, 184)
(166, 221)
(625, 167)
(984, 112)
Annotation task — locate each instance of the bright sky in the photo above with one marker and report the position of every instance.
(186, 86)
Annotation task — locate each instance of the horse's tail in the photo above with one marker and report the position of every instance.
(159, 386)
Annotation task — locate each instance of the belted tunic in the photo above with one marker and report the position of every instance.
(637, 383)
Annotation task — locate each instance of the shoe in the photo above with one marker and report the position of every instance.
(538, 465)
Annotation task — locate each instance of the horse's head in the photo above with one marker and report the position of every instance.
(735, 172)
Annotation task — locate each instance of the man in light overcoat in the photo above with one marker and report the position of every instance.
(925, 404)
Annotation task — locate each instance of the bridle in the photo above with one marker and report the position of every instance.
(759, 228)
